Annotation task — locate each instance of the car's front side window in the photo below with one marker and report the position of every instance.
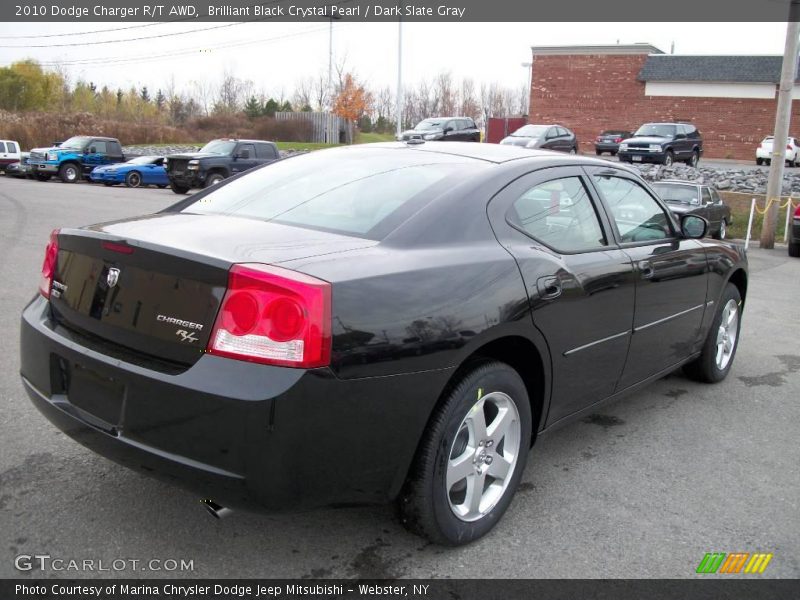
(560, 214)
(637, 215)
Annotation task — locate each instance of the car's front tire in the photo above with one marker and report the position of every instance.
(133, 179)
(719, 349)
(694, 159)
(179, 189)
(794, 249)
(69, 173)
(214, 179)
(471, 457)
(669, 158)
(722, 232)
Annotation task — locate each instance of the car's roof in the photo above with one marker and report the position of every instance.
(241, 140)
(493, 153)
(679, 182)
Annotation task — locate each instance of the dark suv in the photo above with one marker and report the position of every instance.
(217, 160)
(663, 143)
(444, 129)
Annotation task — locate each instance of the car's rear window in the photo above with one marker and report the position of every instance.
(360, 192)
(682, 194)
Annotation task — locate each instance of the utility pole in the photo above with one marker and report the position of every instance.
(399, 108)
(782, 117)
(529, 67)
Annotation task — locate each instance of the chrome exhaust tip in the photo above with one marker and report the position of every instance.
(215, 510)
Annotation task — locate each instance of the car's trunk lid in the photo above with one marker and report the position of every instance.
(154, 284)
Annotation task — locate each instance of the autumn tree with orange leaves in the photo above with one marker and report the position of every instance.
(353, 100)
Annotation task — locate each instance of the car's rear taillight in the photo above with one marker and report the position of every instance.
(788, 146)
(617, 140)
(49, 264)
(797, 212)
(274, 316)
(599, 138)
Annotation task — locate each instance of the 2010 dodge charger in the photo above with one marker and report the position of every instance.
(364, 324)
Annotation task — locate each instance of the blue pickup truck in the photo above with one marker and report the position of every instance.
(75, 158)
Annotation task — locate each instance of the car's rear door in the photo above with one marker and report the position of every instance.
(711, 211)
(580, 285)
(671, 276)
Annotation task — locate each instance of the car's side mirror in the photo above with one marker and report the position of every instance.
(693, 226)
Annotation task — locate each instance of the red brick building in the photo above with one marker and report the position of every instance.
(730, 99)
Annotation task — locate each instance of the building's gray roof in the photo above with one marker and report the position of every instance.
(729, 69)
(597, 49)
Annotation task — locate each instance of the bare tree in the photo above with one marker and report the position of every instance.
(204, 92)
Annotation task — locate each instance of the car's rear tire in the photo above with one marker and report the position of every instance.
(759, 161)
(214, 179)
(133, 179)
(669, 158)
(108, 183)
(573, 150)
(598, 152)
(471, 457)
(69, 173)
(719, 349)
(794, 249)
(694, 159)
(179, 189)
(722, 232)
(161, 186)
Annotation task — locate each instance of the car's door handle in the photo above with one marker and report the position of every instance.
(548, 287)
(646, 269)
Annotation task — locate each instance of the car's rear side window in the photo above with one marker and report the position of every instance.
(265, 151)
(2, 147)
(12, 147)
(358, 192)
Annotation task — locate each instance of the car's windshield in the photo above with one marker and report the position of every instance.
(657, 130)
(219, 147)
(532, 131)
(351, 191)
(677, 194)
(78, 142)
(142, 160)
(429, 124)
(614, 132)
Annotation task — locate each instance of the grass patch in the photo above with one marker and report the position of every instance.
(371, 138)
(740, 211)
(303, 146)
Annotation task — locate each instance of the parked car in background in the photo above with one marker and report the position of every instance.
(216, 161)
(142, 170)
(374, 323)
(663, 143)
(444, 129)
(9, 153)
(683, 198)
(75, 158)
(609, 141)
(794, 234)
(544, 137)
(764, 151)
(20, 169)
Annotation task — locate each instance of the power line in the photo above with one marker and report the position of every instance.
(74, 33)
(118, 60)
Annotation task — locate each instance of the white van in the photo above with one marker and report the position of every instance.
(9, 153)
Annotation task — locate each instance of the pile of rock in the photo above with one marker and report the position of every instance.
(733, 180)
(178, 149)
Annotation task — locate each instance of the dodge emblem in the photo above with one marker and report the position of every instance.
(112, 277)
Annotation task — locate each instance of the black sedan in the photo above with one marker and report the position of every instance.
(374, 323)
(543, 137)
(685, 197)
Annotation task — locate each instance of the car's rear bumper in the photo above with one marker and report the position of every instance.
(606, 147)
(767, 154)
(240, 433)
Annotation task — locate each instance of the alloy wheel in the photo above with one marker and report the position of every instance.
(483, 456)
(727, 333)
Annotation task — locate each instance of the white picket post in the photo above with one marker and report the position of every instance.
(788, 220)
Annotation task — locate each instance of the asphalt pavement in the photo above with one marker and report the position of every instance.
(644, 488)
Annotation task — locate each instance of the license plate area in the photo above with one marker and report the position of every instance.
(98, 395)
(636, 158)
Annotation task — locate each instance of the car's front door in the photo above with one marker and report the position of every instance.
(671, 276)
(244, 158)
(580, 284)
